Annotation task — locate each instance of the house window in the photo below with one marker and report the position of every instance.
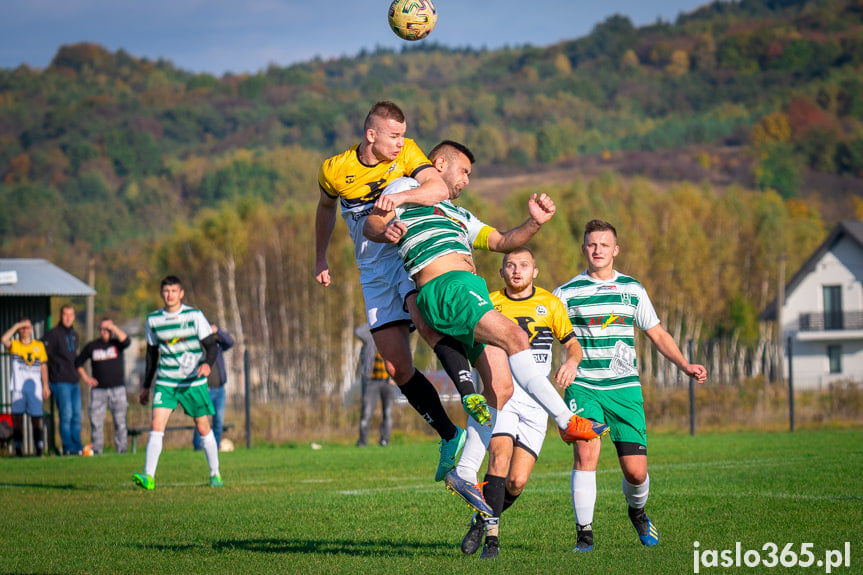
(832, 307)
(834, 358)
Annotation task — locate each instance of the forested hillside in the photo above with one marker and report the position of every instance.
(146, 168)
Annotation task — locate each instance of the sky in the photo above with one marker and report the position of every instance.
(246, 36)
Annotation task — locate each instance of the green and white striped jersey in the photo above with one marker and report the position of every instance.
(178, 336)
(434, 231)
(604, 315)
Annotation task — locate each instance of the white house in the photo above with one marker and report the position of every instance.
(823, 312)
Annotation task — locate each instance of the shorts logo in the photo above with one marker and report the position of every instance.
(158, 397)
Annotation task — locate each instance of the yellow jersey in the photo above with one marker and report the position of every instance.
(357, 185)
(27, 363)
(542, 315)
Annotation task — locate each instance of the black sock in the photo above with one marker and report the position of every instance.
(454, 361)
(508, 500)
(424, 398)
(494, 492)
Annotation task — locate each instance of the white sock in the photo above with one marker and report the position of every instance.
(154, 450)
(211, 450)
(526, 373)
(636, 495)
(583, 495)
(475, 447)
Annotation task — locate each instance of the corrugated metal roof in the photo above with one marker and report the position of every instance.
(38, 277)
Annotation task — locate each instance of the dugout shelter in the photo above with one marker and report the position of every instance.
(26, 288)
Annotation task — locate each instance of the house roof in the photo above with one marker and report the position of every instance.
(38, 277)
(850, 228)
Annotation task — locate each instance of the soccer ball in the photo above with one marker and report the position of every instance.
(412, 19)
(226, 445)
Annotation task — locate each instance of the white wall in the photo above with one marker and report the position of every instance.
(842, 265)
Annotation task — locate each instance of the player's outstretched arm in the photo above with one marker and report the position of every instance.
(432, 190)
(666, 346)
(541, 209)
(325, 222)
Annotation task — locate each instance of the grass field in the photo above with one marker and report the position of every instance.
(346, 510)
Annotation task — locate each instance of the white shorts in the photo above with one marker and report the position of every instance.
(384, 291)
(522, 419)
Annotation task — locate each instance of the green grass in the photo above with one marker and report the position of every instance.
(347, 510)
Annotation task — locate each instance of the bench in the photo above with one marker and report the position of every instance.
(134, 432)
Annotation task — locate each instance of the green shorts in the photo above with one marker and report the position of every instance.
(622, 409)
(195, 399)
(453, 304)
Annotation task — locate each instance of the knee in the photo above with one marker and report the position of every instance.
(501, 392)
(401, 371)
(518, 340)
(515, 484)
(635, 477)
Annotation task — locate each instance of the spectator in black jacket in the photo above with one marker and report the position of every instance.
(61, 343)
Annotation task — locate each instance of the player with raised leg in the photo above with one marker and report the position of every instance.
(605, 307)
(353, 180)
(519, 431)
(435, 243)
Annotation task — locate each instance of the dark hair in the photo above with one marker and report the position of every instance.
(518, 251)
(170, 281)
(385, 110)
(67, 306)
(446, 149)
(599, 226)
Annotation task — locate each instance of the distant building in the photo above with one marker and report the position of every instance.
(823, 312)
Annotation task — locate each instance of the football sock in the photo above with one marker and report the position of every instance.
(526, 373)
(18, 431)
(211, 450)
(36, 424)
(154, 450)
(475, 447)
(508, 500)
(583, 495)
(454, 361)
(636, 495)
(492, 527)
(493, 491)
(424, 398)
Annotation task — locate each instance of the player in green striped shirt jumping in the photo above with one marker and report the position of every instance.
(605, 307)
